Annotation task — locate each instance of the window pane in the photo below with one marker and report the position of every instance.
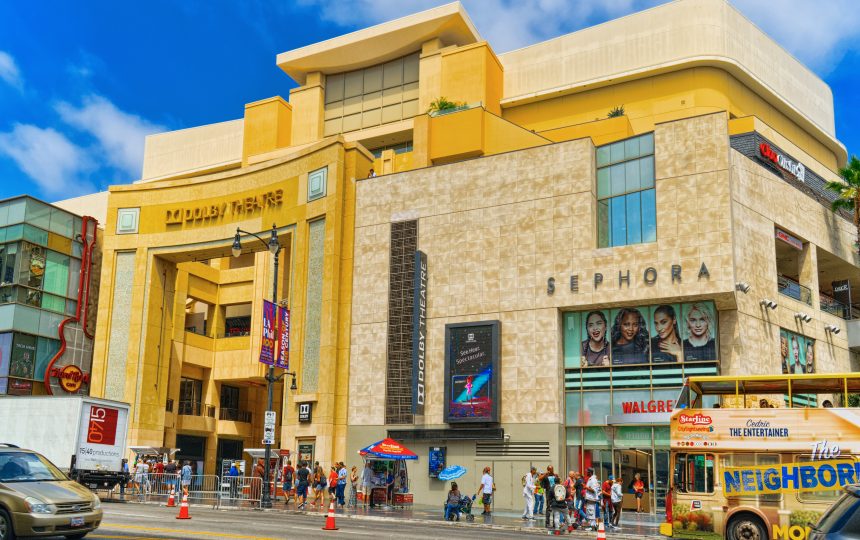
(56, 274)
(631, 148)
(616, 152)
(646, 172)
(602, 156)
(646, 144)
(603, 224)
(572, 408)
(616, 173)
(603, 183)
(74, 278)
(631, 174)
(634, 219)
(595, 408)
(618, 221)
(649, 216)
(572, 341)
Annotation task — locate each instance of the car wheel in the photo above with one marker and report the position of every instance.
(75, 536)
(6, 532)
(746, 527)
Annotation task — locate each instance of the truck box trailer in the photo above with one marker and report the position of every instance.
(83, 436)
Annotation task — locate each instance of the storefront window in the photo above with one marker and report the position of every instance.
(45, 351)
(573, 402)
(595, 408)
(630, 401)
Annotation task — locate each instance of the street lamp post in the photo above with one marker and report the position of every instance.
(274, 248)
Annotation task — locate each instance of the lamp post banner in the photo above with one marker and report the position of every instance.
(283, 357)
(267, 348)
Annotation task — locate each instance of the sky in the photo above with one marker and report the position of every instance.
(83, 83)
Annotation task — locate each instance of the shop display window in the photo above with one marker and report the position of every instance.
(595, 408)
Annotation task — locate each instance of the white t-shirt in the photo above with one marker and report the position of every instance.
(530, 484)
(487, 483)
(592, 490)
(616, 494)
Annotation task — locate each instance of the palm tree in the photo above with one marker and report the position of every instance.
(848, 192)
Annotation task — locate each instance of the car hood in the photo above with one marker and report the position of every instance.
(64, 491)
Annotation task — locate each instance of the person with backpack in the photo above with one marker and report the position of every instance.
(546, 481)
(287, 475)
(303, 476)
(557, 505)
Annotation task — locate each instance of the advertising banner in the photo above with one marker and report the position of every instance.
(5, 358)
(661, 334)
(267, 347)
(790, 478)
(798, 429)
(23, 356)
(419, 333)
(102, 437)
(472, 372)
(283, 356)
(797, 352)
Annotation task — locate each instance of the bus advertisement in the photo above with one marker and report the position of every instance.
(741, 471)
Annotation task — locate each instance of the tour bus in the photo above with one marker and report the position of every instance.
(760, 457)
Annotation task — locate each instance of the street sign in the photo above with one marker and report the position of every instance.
(269, 428)
(305, 412)
(270, 419)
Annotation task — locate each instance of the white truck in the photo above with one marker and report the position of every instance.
(83, 436)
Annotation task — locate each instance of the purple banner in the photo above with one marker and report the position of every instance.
(283, 359)
(267, 347)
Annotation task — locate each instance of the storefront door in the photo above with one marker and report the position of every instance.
(306, 451)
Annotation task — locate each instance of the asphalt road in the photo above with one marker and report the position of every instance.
(149, 522)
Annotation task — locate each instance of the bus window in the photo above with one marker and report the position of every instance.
(751, 460)
(694, 473)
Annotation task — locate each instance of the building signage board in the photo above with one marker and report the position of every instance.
(437, 460)
(305, 412)
(239, 208)
(789, 239)
(267, 347)
(419, 334)
(269, 427)
(794, 168)
(5, 358)
(282, 359)
(472, 372)
(842, 292)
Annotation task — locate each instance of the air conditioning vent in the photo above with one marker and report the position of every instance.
(512, 449)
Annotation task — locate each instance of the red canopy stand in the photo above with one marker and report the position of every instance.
(390, 476)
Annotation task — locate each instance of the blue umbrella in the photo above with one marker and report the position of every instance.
(452, 472)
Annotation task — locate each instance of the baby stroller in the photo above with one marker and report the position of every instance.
(465, 509)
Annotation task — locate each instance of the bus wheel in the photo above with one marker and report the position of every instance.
(746, 527)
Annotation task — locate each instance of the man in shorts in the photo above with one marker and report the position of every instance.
(302, 477)
(486, 490)
(288, 474)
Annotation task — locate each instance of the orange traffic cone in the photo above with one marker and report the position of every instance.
(329, 521)
(601, 532)
(171, 501)
(183, 508)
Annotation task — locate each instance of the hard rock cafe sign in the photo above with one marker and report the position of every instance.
(70, 377)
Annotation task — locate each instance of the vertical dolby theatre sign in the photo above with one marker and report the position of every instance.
(419, 333)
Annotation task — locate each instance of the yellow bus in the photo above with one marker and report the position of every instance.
(760, 457)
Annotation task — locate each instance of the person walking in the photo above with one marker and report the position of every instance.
(547, 481)
(529, 495)
(287, 475)
(303, 476)
(185, 476)
(570, 486)
(557, 506)
(367, 484)
(579, 497)
(617, 496)
(353, 487)
(606, 499)
(486, 489)
(638, 490)
(592, 498)
(342, 477)
(124, 480)
(332, 483)
(539, 495)
(452, 503)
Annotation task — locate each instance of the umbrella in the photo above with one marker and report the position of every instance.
(388, 449)
(452, 472)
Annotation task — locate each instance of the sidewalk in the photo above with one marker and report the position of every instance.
(633, 526)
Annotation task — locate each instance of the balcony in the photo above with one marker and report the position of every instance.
(235, 415)
(789, 287)
(189, 408)
(835, 307)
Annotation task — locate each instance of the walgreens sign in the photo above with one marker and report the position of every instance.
(792, 167)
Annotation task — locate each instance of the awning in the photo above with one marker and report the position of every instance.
(153, 450)
(388, 449)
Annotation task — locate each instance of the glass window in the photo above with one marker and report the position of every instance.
(694, 473)
(625, 191)
(45, 351)
(595, 408)
(62, 223)
(38, 214)
(573, 407)
(35, 235)
(814, 496)
(56, 279)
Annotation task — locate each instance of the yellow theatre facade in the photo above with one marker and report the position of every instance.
(694, 90)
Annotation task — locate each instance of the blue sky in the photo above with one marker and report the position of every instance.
(82, 83)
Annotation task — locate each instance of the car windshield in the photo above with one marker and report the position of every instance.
(835, 513)
(27, 467)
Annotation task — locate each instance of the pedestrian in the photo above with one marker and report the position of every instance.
(233, 481)
(342, 477)
(332, 483)
(367, 484)
(570, 486)
(124, 479)
(185, 477)
(303, 478)
(389, 485)
(529, 494)
(259, 476)
(557, 504)
(617, 497)
(486, 489)
(539, 497)
(592, 498)
(638, 490)
(606, 499)
(547, 480)
(319, 484)
(452, 503)
(171, 470)
(579, 497)
(288, 475)
(353, 487)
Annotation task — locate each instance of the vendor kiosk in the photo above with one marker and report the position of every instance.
(275, 458)
(390, 476)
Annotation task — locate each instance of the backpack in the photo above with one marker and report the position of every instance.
(559, 492)
(289, 475)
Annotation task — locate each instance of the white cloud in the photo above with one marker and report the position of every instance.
(816, 32)
(120, 135)
(9, 71)
(49, 158)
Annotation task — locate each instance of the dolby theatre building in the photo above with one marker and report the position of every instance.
(575, 261)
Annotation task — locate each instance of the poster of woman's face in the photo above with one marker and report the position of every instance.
(699, 332)
(631, 343)
(797, 353)
(665, 334)
(595, 343)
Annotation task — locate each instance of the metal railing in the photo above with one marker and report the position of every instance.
(788, 287)
(240, 491)
(835, 307)
(235, 415)
(189, 407)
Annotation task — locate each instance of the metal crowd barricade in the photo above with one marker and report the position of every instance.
(240, 492)
(203, 489)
